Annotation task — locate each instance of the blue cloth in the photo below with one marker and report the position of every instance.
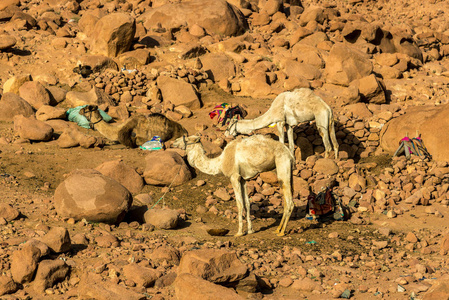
(73, 114)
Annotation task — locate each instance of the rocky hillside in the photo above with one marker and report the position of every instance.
(80, 216)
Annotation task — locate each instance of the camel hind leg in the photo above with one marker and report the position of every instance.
(291, 142)
(284, 173)
(322, 124)
(333, 136)
(280, 126)
(247, 205)
(236, 185)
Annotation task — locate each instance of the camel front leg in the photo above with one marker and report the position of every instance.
(248, 206)
(236, 185)
(284, 176)
(280, 126)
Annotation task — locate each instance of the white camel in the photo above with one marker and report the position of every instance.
(241, 160)
(292, 108)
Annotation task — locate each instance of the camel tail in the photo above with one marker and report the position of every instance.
(125, 135)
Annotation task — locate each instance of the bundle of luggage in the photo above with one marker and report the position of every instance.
(226, 112)
(414, 146)
(324, 206)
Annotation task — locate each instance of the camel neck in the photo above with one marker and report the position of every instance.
(198, 159)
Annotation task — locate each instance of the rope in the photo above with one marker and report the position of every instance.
(167, 189)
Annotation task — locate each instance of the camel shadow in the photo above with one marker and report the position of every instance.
(18, 52)
(309, 141)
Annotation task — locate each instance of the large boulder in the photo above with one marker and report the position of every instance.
(113, 34)
(48, 112)
(219, 266)
(345, 64)
(431, 122)
(178, 92)
(24, 263)
(140, 275)
(166, 167)
(32, 129)
(188, 286)
(49, 272)
(215, 16)
(218, 66)
(94, 96)
(7, 41)
(35, 94)
(88, 194)
(162, 218)
(93, 286)
(12, 105)
(123, 173)
(13, 84)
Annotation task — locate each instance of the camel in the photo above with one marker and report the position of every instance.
(292, 108)
(241, 160)
(136, 130)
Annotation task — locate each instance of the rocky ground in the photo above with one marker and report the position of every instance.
(381, 66)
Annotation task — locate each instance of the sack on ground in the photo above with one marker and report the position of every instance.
(73, 114)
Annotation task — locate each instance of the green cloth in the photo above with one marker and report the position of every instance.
(73, 114)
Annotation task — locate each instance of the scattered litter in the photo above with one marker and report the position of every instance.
(401, 289)
(412, 296)
(378, 293)
(346, 294)
(124, 69)
(311, 242)
(154, 144)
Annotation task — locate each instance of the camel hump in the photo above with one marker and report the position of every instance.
(125, 134)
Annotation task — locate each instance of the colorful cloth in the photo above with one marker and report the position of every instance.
(220, 111)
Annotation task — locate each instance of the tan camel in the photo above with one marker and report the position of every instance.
(136, 130)
(241, 160)
(292, 108)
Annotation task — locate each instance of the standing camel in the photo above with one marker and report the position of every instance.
(292, 108)
(136, 130)
(241, 160)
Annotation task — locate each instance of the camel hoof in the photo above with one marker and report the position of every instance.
(239, 234)
(280, 234)
(250, 231)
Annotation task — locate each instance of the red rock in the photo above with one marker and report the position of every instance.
(12, 105)
(123, 174)
(214, 265)
(167, 254)
(7, 285)
(217, 17)
(24, 263)
(35, 94)
(49, 272)
(32, 129)
(165, 168)
(57, 239)
(188, 286)
(113, 34)
(88, 194)
(93, 286)
(8, 212)
(142, 276)
(306, 284)
(162, 218)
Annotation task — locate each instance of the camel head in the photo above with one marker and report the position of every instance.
(231, 130)
(184, 141)
(91, 113)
